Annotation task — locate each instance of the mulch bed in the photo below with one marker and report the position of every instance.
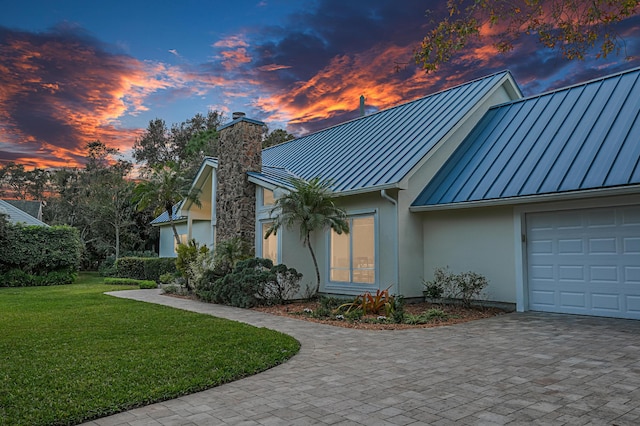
(458, 314)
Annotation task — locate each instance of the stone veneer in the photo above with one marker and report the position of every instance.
(240, 151)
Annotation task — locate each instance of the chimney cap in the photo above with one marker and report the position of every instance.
(237, 114)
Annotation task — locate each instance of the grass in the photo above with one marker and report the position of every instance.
(70, 353)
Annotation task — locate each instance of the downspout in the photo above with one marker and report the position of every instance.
(396, 246)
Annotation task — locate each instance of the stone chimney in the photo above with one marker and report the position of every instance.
(239, 152)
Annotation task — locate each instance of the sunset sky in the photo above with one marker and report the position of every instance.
(77, 71)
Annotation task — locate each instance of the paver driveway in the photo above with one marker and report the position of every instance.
(515, 369)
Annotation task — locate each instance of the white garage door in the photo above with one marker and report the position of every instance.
(585, 261)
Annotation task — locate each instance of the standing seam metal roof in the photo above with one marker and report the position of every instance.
(164, 217)
(379, 149)
(577, 138)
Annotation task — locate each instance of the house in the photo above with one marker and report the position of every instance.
(32, 207)
(540, 194)
(16, 215)
(543, 197)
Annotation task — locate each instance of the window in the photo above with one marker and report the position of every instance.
(269, 245)
(183, 240)
(353, 254)
(267, 197)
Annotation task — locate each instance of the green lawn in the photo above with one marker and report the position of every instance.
(70, 353)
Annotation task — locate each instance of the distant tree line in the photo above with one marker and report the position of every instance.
(112, 200)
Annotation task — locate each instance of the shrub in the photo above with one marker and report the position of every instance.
(187, 254)
(284, 287)
(371, 304)
(253, 282)
(229, 252)
(167, 278)
(144, 284)
(19, 278)
(144, 268)
(148, 284)
(38, 255)
(466, 286)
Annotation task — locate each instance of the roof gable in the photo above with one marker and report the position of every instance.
(578, 138)
(15, 215)
(33, 208)
(379, 150)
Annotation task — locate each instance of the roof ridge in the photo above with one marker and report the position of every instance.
(566, 88)
(422, 98)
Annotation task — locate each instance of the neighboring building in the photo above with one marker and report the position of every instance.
(34, 208)
(16, 215)
(540, 195)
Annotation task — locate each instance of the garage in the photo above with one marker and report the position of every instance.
(585, 261)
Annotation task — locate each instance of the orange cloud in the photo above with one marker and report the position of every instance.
(58, 92)
(273, 67)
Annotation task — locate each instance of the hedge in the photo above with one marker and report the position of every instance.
(144, 284)
(144, 268)
(38, 255)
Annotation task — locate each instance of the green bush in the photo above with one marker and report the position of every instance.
(144, 284)
(466, 286)
(187, 256)
(253, 282)
(144, 268)
(229, 252)
(19, 278)
(148, 284)
(38, 255)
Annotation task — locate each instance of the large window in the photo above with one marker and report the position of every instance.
(267, 197)
(353, 254)
(269, 245)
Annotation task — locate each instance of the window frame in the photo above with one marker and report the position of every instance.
(260, 240)
(351, 286)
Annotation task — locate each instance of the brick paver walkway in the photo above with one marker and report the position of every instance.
(515, 369)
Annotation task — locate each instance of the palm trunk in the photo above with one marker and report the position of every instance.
(315, 263)
(173, 225)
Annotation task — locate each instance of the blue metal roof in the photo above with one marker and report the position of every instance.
(15, 215)
(379, 150)
(277, 176)
(578, 138)
(164, 217)
(239, 119)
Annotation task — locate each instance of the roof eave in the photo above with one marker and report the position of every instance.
(527, 199)
(167, 222)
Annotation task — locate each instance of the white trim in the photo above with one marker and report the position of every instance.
(538, 198)
(262, 182)
(520, 249)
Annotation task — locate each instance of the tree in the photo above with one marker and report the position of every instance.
(309, 206)
(276, 137)
(573, 26)
(186, 143)
(165, 187)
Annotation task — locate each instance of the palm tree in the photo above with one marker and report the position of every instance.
(310, 206)
(166, 186)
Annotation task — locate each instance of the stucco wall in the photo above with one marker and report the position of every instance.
(297, 256)
(202, 232)
(411, 224)
(479, 240)
(167, 239)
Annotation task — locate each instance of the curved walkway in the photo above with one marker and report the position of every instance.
(514, 369)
